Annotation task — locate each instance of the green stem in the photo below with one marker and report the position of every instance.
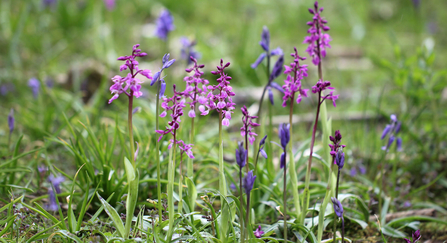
(222, 183)
(180, 186)
(247, 213)
(325, 202)
(292, 168)
(309, 165)
(241, 201)
(171, 174)
(157, 156)
(129, 125)
(336, 196)
(190, 169)
(285, 196)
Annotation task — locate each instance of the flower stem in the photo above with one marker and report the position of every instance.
(190, 169)
(292, 168)
(241, 201)
(247, 215)
(129, 124)
(285, 196)
(336, 196)
(309, 165)
(180, 186)
(222, 183)
(157, 156)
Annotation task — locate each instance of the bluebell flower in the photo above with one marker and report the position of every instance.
(56, 181)
(52, 204)
(261, 147)
(391, 130)
(165, 24)
(340, 158)
(188, 50)
(241, 155)
(284, 134)
(338, 208)
(166, 63)
(249, 180)
(11, 121)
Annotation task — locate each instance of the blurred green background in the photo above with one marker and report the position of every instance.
(387, 57)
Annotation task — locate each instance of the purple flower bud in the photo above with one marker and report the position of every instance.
(270, 95)
(162, 89)
(282, 160)
(277, 69)
(241, 154)
(249, 180)
(165, 58)
(11, 121)
(340, 159)
(168, 63)
(259, 60)
(265, 39)
(277, 51)
(284, 134)
(155, 77)
(416, 236)
(385, 131)
(258, 233)
(338, 208)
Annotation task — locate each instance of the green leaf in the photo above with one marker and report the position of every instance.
(114, 216)
(69, 235)
(192, 193)
(387, 230)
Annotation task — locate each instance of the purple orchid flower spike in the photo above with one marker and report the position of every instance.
(391, 130)
(165, 24)
(110, 4)
(132, 84)
(318, 41)
(186, 148)
(248, 125)
(196, 87)
(222, 100)
(177, 111)
(320, 86)
(295, 73)
(416, 236)
(258, 232)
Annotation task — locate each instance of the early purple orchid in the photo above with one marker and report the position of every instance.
(248, 124)
(177, 111)
(129, 81)
(221, 101)
(318, 41)
(295, 73)
(320, 86)
(416, 236)
(196, 87)
(258, 232)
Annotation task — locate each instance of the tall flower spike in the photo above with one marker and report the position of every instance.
(320, 86)
(241, 155)
(222, 101)
(130, 84)
(196, 87)
(392, 130)
(336, 140)
(165, 24)
(186, 148)
(265, 44)
(177, 111)
(295, 73)
(318, 41)
(188, 51)
(249, 180)
(248, 124)
(11, 121)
